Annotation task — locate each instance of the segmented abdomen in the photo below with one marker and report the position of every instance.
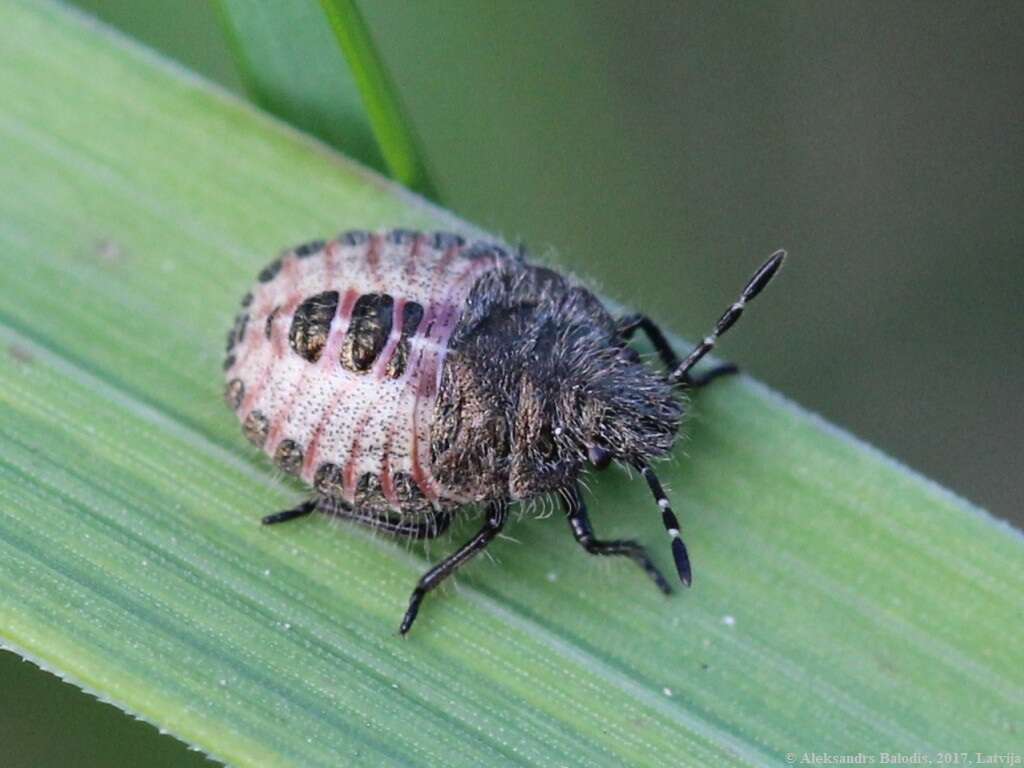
(335, 359)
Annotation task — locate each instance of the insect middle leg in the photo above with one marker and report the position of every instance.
(579, 523)
(497, 514)
(428, 528)
(630, 324)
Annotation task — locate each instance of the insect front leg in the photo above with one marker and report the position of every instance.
(630, 324)
(691, 381)
(579, 523)
(497, 514)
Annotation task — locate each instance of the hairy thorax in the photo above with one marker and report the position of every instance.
(536, 372)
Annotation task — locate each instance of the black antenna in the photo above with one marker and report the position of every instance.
(732, 314)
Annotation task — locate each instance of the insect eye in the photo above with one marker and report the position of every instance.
(630, 355)
(599, 457)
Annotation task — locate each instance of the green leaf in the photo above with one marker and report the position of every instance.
(841, 603)
(315, 65)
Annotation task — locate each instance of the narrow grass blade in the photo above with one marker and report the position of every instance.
(315, 65)
(841, 603)
(383, 107)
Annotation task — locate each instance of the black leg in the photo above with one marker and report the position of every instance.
(413, 529)
(497, 514)
(630, 324)
(579, 523)
(428, 528)
(284, 516)
(705, 378)
(671, 523)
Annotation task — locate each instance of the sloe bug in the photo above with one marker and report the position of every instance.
(405, 375)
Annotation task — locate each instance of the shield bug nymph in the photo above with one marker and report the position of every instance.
(404, 376)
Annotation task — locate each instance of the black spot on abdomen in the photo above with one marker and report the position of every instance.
(288, 457)
(270, 271)
(237, 332)
(328, 480)
(309, 249)
(402, 236)
(354, 237)
(256, 427)
(443, 241)
(234, 392)
(410, 497)
(311, 324)
(370, 496)
(412, 314)
(482, 250)
(268, 327)
(368, 331)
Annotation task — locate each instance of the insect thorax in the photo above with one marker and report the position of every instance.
(536, 371)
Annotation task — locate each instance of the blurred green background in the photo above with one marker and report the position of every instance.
(881, 143)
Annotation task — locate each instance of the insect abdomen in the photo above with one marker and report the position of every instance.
(334, 361)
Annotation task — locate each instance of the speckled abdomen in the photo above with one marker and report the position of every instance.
(335, 360)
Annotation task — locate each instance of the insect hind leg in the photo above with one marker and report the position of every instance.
(429, 527)
(303, 509)
(421, 528)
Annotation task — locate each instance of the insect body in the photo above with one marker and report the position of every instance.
(405, 375)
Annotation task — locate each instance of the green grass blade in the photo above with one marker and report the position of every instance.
(380, 98)
(315, 65)
(841, 603)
